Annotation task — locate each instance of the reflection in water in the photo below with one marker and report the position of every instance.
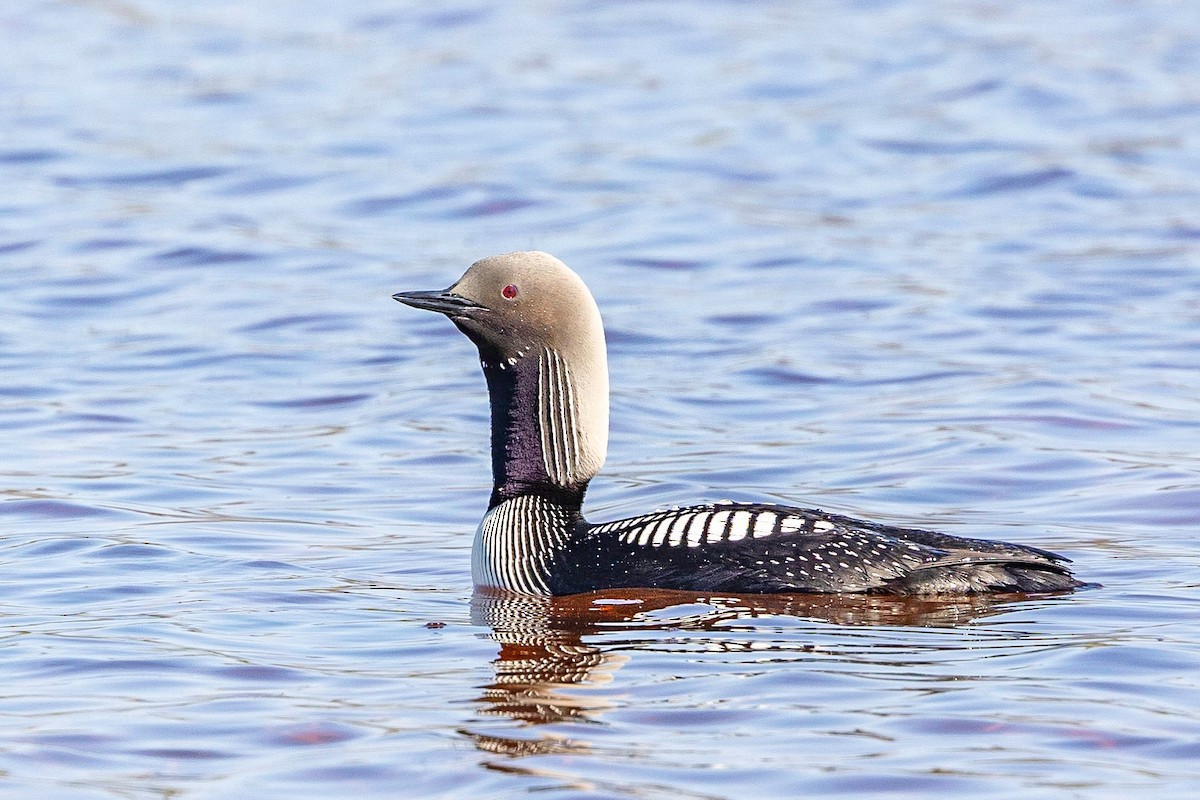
(544, 662)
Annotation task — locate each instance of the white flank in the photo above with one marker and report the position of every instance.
(714, 528)
(791, 525)
(679, 525)
(739, 525)
(765, 524)
(665, 532)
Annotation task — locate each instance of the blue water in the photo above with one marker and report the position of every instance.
(936, 264)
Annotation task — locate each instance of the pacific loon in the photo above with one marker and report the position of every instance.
(541, 344)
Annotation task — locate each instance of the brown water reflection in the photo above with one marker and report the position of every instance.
(544, 657)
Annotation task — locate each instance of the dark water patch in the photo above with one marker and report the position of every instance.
(82, 278)
(83, 741)
(455, 18)
(382, 21)
(731, 477)
(1042, 98)
(1181, 752)
(267, 183)
(928, 147)
(920, 377)
(131, 552)
(82, 665)
(54, 306)
(315, 323)
(196, 256)
(325, 490)
(464, 201)
(852, 305)
(1097, 189)
(897, 783)
(1180, 230)
(1014, 182)
(236, 363)
(374, 206)
(707, 168)
(180, 352)
(667, 264)
(1175, 507)
(1063, 421)
(1078, 301)
(351, 774)
(601, 186)
(631, 338)
(26, 392)
(7, 248)
(973, 89)
(317, 733)
(279, 566)
(1049, 312)
(741, 320)
(309, 403)
(365, 149)
(184, 754)
(784, 90)
(258, 673)
(291, 597)
(783, 376)
(383, 359)
(221, 97)
(1164, 112)
(718, 397)
(1091, 738)
(122, 590)
(695, 717)
(95, 421)
(1009, 247)
(1136, 150)
(53, 547)
(166, 178)
(100, 245)
(490, 208)
(53, 509)
(781, 262)
(33, 156)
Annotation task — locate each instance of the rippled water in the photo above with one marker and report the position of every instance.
(932, 263)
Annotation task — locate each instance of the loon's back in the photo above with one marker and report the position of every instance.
(751, 548)
(541, 344)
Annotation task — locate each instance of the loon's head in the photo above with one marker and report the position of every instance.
(541, 342)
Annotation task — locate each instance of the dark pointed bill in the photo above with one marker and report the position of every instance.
(443, 301)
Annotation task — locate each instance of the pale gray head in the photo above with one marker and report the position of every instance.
(541, 342)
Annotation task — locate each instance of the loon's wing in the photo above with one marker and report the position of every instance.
(750, 547)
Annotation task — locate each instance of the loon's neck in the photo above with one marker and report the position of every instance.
(549, 426)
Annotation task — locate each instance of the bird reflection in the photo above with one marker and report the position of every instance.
(554, 649)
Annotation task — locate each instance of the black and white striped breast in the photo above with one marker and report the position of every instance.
(517, 542)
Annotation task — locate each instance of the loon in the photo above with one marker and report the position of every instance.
(541, 345)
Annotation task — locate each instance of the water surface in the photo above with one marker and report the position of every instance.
(932, 263)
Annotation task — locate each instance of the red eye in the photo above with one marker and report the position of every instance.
(509, 291)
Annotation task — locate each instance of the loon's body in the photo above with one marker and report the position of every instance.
(541, 345)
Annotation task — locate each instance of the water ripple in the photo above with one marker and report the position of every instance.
(932, 265)
(176, 177)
